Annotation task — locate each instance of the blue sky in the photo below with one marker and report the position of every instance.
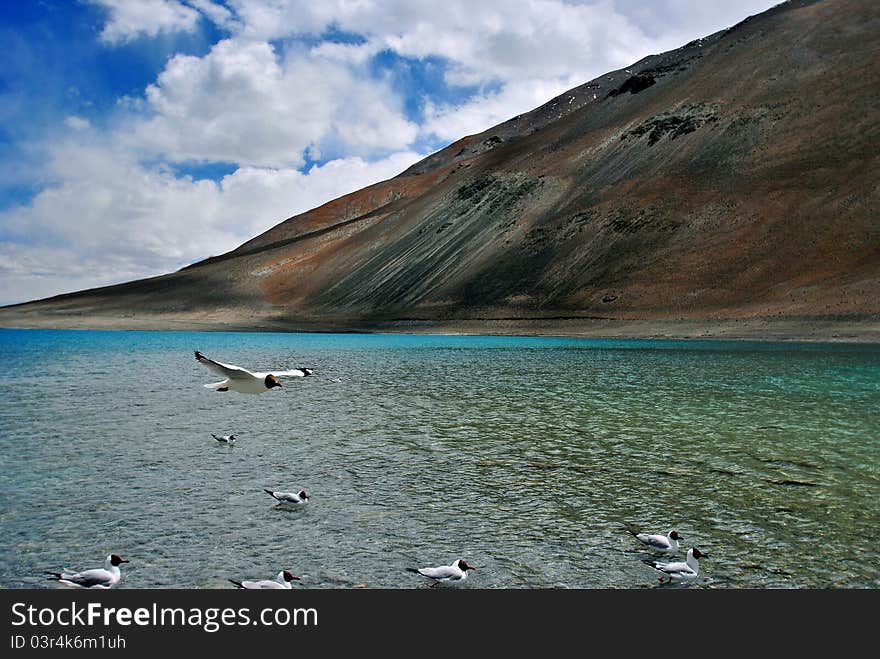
(137, 136)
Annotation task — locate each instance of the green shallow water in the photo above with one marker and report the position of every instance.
(524, 456)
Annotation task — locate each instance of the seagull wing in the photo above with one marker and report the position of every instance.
(90, 578)
(226, 370)
(442, 572)
(672, 568)
(266, 584)
(283, 497)
(654, 541)
(291, 373)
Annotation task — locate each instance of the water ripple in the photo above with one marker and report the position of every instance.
(525, 456)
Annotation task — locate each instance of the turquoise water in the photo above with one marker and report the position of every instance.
(524, 456)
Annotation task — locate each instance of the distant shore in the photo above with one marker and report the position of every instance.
(746, 329)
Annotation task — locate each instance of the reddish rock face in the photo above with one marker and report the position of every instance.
(735, 177)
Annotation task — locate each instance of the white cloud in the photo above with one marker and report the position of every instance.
(216, 13)
(349, 53)
(680, 21)
(255, 199)
(77, 123)
(112, 219)
(500, 39)
(129, 19)
(519, 39)
(451, 122)
(31, 272)
(242, 103)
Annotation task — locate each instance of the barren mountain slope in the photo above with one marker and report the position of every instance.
(734, 178)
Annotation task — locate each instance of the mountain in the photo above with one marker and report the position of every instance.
(729, 187)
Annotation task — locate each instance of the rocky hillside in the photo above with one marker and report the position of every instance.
(734, 179)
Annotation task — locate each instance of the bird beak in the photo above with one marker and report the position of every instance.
(295, 578)
(125, 560)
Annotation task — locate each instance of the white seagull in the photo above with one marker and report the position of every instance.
(664, 544)
(225, 439)
(689, 569)
(301, 498)
(281, 582)
(455, 573)
(99, 578)
(243, 381)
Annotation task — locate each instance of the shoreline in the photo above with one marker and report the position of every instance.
(743, 329)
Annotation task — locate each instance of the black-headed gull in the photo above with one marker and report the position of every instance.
(225, 439)
(244, 381)
(664, 544)
(688, 569)
(300, 498)
(281, 582)
(455, 573)
(100, 578)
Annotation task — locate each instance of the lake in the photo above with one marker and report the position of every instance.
(525, 456)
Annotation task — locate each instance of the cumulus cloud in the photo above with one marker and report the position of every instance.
(503, 39)
(111, 218)
(450, 122)
(216, 13)
(77, 123)
(243, 103)
(127, 19)
(498, 40)
(520, 39)
(31, 272)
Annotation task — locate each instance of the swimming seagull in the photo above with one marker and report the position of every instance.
(689, 569)
(665, 544)
(224, 439)
(455, 573)
(99, 578)
(281, 582)
(245, 382)
(301, 498)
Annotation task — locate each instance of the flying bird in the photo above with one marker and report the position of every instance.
(301, 498)
(688, 569)
(664, 544)
(281, 582)
(455, 573)
(225, 439)
(244, 381)
(99, 578)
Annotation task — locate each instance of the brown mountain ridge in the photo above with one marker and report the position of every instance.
(726, 188)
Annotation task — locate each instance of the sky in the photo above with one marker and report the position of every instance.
(139, 136)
